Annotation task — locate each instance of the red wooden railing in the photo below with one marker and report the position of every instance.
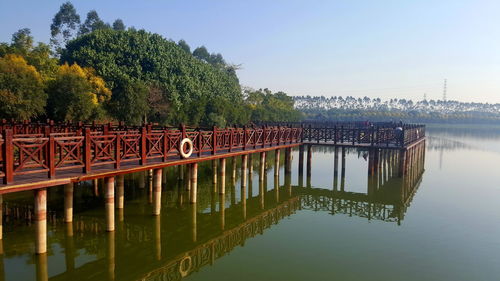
(40, 148)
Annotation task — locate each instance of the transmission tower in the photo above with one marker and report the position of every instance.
(444, 90)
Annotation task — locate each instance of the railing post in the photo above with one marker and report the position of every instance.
(8, 156)
(342, 134)
(165, 145)
(310, 132)
(143, 145)
(200, 142)
(51, 157)
(245, 136)
(214, 141)
(87, 156)
(118, 151)
(230, 139)
(372, 135)
(263, 136)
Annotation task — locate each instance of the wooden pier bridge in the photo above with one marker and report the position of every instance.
(36, 156)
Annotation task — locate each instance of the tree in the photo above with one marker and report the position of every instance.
(188, 87)
(22, 40)
(64, 24)
(76, 94)
(92, 23)
(22, 93)
(118, 25)
(184, 46)
(129, 100)
(201, 53)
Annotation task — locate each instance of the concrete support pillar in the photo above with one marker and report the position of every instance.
(193, 223)
(309, 160)
(342, 173)
(194, 182)
(233, 170)
(120, 191)
(95, 185)
(109, 196)
(157, 176)
(244, 162)
(188, 176)
(277, 163)
(222, 189)
(301, 160)
(41, 221)
(1, 221)
(335, 167)
(68, 202)
(214, 175)
(158, 237)
(250, 165)
(262, 166)
(288, 155)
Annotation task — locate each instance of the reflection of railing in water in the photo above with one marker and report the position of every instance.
(205, 254)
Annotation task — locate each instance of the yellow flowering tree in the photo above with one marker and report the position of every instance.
(22, 93)
(76, 94)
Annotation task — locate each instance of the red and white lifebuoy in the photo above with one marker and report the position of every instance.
(189, 143)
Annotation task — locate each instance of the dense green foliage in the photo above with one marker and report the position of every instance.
(191, 88)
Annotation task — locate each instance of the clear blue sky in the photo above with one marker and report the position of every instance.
(377, 48)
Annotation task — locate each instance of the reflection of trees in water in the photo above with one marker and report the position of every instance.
(440, 143)
(477, 132)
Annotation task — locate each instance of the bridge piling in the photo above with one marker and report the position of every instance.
(262, 166)
(157, 176)
(41, 221)
(109, 195)
(42, 273)
(222, 189)
(120, 192)
(194, 182)
(68, 202)
(277, 163)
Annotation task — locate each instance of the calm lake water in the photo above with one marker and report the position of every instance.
(443, 225)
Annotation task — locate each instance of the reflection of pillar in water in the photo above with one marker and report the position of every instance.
(157, 191)
(288, 184)
(222, 176)
(68, 202)
(222, 210)
(335, 167)
(111, 255)
(109, 196)
(69, 251)
(120, 192)
(193, 223)
(158, 237)
(41, 221)
(402, 163)
(342, 173)
(189, 171)
(214, 176)
(194, 182)
(277, 188)
(277, 163)
(42, 273)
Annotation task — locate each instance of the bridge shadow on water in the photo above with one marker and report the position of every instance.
(187, 237)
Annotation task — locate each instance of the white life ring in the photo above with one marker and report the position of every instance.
(190, 148)
(185, 268)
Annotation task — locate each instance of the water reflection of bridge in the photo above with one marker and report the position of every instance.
(393, 179)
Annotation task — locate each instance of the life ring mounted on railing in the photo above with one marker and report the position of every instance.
(189, 151)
